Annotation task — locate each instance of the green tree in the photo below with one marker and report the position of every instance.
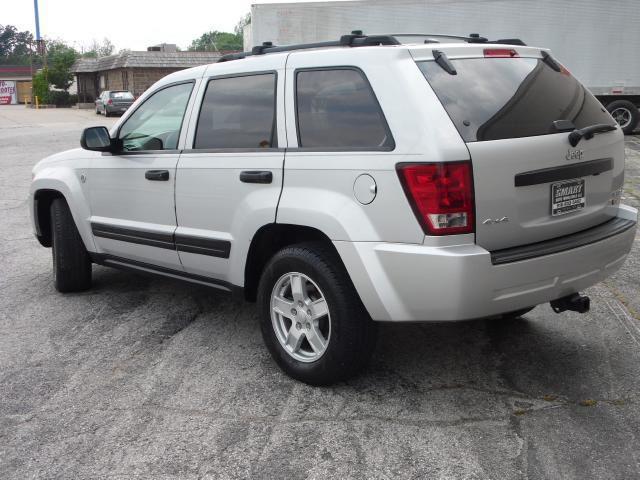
(215, 41)
(41, 86)
(15, 47)
(61, 58)
(97, 49)
(243, 22)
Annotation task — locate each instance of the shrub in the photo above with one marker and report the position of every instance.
(41, 86)
(59, 98)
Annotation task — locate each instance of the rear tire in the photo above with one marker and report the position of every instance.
(71, 261)
(625, 114)
(346, 332)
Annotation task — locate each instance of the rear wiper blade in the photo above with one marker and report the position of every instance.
(444, 62)
(588, 132)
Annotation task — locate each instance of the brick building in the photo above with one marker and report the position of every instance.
(133, 70)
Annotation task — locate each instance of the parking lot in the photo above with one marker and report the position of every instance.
(150, 378)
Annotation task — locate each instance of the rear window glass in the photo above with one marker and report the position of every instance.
(122, 95)
(498, 98)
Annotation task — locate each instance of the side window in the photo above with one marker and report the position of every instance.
(156, 124)
(238, 112)
(336, 108)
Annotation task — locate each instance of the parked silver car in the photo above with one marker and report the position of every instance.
(113, 102)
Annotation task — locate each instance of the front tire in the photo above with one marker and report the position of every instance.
(312, 320)
(71, 262)
(626, 114)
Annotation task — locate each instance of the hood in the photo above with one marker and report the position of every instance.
(73, 154)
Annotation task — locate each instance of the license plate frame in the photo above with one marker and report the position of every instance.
(568, 196)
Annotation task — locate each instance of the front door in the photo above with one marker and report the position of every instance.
(132, 191)
(229, 181)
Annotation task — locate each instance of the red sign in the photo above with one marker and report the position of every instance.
(8, 94)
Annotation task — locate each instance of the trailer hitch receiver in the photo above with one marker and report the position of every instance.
(574, 302)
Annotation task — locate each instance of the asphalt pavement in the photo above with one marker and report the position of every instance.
(150, 378)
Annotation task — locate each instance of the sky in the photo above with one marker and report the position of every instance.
(132, 24)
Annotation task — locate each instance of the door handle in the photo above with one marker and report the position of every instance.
(261, 176)
(157, 175)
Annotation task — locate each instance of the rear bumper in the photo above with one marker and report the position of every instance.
(401, 282)
(116, 108)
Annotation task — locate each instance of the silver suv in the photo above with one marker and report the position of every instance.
(346, 183)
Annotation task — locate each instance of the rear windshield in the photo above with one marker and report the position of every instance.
(497, 98)
(122, 95)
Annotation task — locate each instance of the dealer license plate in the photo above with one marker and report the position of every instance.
(567, 197)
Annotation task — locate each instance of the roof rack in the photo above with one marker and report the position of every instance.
(357, 39)
(471, 38)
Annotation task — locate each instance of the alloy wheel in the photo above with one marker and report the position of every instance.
(300, 317)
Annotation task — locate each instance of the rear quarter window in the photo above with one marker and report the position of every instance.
(499, 98)
(337, 109)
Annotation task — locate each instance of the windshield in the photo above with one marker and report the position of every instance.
(497, 98)
(122, 95)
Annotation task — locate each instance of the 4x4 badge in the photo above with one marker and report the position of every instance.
(491, 221)
(574, 154)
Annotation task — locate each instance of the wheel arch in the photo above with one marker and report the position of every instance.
(42, 200)
(43, 193)
(608, 99)
(267, 241)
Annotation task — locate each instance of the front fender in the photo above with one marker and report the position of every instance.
(67, 182)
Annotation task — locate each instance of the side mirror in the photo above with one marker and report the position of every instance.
(96, 139)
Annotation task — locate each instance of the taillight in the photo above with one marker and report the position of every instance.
(500, 52)
(441, 195)
(110, 102)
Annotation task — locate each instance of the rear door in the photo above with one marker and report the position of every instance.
(230, 176)
(530, 183)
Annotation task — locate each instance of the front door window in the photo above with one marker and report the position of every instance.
(156, 124)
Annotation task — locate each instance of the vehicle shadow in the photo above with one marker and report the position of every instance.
(533, 356)
(522, 355)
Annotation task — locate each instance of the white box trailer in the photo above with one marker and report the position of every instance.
(597, 40)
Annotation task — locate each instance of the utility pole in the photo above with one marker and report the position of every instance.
(40, 46)
(35, 9)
